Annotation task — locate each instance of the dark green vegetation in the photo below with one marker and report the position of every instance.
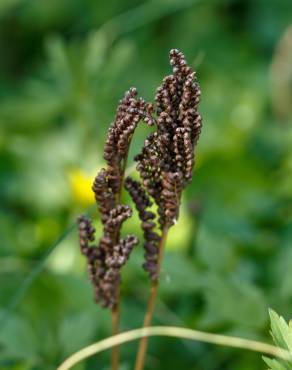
(64, 65)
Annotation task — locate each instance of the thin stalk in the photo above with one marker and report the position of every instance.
(115, 314)
(115, 355)
(140, 359)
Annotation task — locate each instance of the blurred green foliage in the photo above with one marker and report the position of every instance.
(64, 65)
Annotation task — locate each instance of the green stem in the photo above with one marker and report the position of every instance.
(175, 332)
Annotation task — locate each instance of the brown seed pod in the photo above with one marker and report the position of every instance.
(103, 194)
(165, 164)
(151, 238)
(104, 262)
(86, 235)
(166, 161)
(105, 275)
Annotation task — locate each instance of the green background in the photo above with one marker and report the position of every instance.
(64, 64)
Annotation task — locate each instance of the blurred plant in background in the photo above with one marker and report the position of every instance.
(64, 65)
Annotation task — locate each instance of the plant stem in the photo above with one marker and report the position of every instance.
(175, 332)
(140, 359)
(115, 355)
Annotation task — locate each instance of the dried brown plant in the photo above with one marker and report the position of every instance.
(165, 165)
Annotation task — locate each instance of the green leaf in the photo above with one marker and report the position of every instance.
(273, 364)
(281, 331)
(282, 336)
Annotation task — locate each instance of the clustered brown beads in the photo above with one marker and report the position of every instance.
(151, 238)
(106, 259)
(86, 235)
(167, 158)
(130, 111)
(104, 195)
(165, 164)
(114, 253)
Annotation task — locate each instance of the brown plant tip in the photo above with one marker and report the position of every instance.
(86, 235)
(167, 159)
(86, 232)
(165, 164)
(115, 253)
(151, 238)
(107, 290)
(103, 194)
(116, 218)
(121, 252)
(107, 188)
(130, 112)
(104, 262)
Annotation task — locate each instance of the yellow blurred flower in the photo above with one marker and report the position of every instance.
(80, 184)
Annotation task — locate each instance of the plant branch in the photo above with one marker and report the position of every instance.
(115, 314)
(140, 359)
(115, 356)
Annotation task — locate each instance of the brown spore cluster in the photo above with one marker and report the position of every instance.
(165, 165)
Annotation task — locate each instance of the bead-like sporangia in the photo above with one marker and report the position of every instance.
(165, 164)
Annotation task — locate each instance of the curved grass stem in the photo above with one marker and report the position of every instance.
(175, 332)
